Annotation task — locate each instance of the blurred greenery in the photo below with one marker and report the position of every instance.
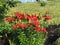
(53, 7)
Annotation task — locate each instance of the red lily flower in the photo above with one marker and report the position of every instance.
(22, 26)
(35, 23)
(38, 29)
(47, 18)
(14, 27)
(17, 24)
(29, 17)
(19, 16)
(9, 19)
(28, 25)
(34, 18)
(17, 13)
(44, 30)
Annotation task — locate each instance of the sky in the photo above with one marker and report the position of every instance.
(28, 0)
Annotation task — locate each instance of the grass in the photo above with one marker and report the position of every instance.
(52, 6)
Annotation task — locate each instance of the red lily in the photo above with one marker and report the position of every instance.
(29, 17)
(47, 18)
(19, 16)
(14, 27)
(28, 25)
(22, 26)
(35, 23)
(38, 29)
(9, 19)
(34, 18)
(44, 30)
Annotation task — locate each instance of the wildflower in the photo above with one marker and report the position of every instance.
(9, 19)
(14, 27)
(44, 30)
(28, 25)
(19, 16)
(17, 24)
(17, 13)
(34, 18)
(47, 17)
(29, 17)
(22, 26)
(35, 23)
(38, 29)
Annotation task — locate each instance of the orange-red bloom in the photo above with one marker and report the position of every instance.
(22, 26)
(39, 29)
(19, 16)
(35, 23)
(44, 30)
(29, 17)
(47, 18)
(9, 19)
(34, 18)
(28, 25)
(14, 27)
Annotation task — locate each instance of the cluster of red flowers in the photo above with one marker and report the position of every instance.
(19, 25)
(9, 19)
(40, 29)
(34, 20)
(19, 16)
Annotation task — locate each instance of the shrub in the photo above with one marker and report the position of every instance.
(12, 3)
(24, 29)
(42, 2)
(53, 34)
(3, 11)
(4, 41)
